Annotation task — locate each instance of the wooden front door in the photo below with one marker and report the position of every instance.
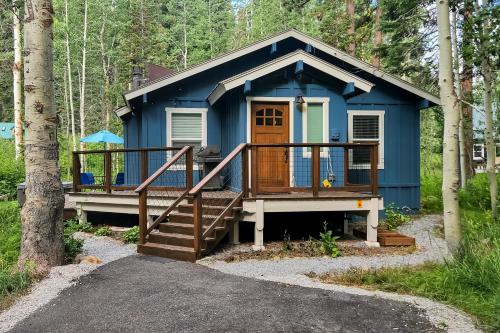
(270, 125)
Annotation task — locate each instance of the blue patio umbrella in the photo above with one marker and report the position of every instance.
(103, 136)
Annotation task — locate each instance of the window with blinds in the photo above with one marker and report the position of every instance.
(366, 126)
(315, 123)
(186, 130)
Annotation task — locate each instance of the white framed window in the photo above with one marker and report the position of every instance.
(366, 126)
(315, 123)
(187, 127)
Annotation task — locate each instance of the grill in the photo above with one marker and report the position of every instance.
(208, 158)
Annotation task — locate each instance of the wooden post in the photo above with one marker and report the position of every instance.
(374, 169)
(76, 172)
(197, 222)
(143, 216)
(315, 170)
(144, 165)
(107, 171)
(254, 170)
(244, 172)
(189, 168)
(346, 166)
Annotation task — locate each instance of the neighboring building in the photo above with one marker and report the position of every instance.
(6, 130)
(290, 91)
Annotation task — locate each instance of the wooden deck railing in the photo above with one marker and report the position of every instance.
(97, 167)
(314, 167)
(142, 191)
(237, 161)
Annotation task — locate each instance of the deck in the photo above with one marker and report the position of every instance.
(162, 185)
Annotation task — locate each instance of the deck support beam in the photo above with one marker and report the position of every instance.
(234, 234)
(259, 226)
(372, 224)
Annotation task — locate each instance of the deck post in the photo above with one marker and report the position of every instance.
(189, 168)
(144, 165)
(374, 169)
(76, 171)
(197, 222)
(244, 172)
(254, 170)
(143, 216)
(234, 235)
(107, 171)
(315, 169)
(372, 224)
(259, 226)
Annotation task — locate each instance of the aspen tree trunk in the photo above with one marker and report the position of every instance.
(350, 14)
(451, 112)
(70, 80)
(458, 90)
(17, 84)
(377, 41)
(106, 107)
(83, 78)
(488, 111)
(466, 84)
(42, 213)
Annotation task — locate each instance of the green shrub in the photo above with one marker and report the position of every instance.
(329, 243)
(72, 247)
(11, 170)
(394, 217)
(469, 281)
(103, 231)
(476, 194)
(131, 235)
(72, 225)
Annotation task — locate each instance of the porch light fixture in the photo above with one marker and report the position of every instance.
(299, 99)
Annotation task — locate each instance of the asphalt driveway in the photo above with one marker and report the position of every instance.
(149, 294)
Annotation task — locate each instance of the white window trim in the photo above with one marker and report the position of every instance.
(203, 112)
(381, 116)
(326, 111)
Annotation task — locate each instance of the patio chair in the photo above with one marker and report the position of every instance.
(120, 178)
(87, 178)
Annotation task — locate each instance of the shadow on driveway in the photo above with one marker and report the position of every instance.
(149, 294)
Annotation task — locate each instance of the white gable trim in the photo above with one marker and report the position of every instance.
(282, 62)
(273, 39)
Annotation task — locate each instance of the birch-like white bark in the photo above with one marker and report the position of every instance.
(458, 90)
(42, 212)
(17, 82)
(70, 80)
(83, 76)
(488, 112)
(450, 105)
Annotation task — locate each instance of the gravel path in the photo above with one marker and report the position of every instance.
(62, 277)
(291, 271)
(432, 248)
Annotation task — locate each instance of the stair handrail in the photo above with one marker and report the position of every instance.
(142, 191)
(195, 193)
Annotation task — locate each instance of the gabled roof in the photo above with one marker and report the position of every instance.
(284, 61)
(167, 80)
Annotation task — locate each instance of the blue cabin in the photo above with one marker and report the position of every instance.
(302, 116)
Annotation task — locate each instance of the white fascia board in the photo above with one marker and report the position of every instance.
(283, 62)
(274, 39)
(121, 111)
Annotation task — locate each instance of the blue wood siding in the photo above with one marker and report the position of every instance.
(399, 181)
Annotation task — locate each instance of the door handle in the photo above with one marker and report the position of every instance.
(286, 155)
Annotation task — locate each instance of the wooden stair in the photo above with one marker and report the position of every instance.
(174, 238)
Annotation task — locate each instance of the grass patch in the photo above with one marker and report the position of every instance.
(470, 281)
(13, 281)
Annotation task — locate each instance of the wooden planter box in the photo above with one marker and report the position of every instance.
(388, 237)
